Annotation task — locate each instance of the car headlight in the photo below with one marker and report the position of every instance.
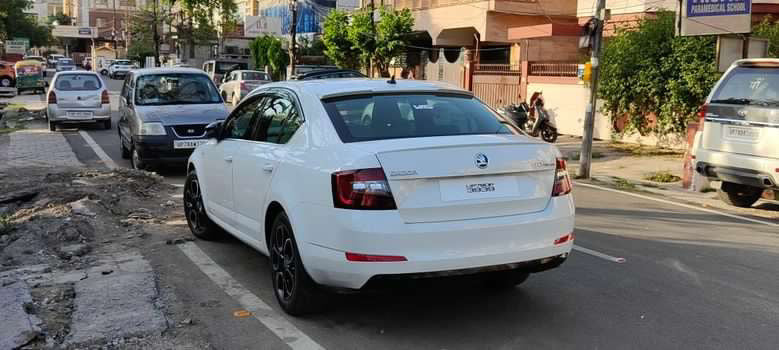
(152, 129)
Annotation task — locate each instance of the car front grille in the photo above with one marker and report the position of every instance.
(193, 130)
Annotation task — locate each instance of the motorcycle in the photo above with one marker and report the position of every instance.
(533, 119)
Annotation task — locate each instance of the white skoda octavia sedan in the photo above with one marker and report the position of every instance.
(347, 182)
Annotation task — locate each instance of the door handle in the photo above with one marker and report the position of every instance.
(229, 159)
(268, 168)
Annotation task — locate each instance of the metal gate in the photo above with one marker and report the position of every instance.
(497, 84)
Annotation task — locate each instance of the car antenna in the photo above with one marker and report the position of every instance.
(392, 80)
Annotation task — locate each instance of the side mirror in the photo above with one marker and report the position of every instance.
(214, 130)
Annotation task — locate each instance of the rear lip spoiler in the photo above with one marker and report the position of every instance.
(395, 92)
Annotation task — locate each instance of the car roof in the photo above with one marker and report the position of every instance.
(70, 72)
(166, 70)
(328, 88)
(325, 71)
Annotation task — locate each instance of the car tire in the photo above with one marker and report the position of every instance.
(107, 124)
(125, 152)
(135, 160)
(52, 126)
(295, 291)
(739, 195)
(507, 279)
(195, 211)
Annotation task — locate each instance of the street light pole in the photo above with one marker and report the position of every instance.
(293, 6)
(589, 117)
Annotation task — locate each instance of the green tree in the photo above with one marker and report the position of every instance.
(337, 45)
(61, 19)
(392, 33)
(268, 51)
(360, 34)
(196, 21)
(15, 23)
(768, 29)
(648, 70)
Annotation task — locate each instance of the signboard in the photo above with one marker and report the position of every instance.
(254, 26)
(347, 4)
(74, 32)
(714, 17)
(24, 41)
(15, 48)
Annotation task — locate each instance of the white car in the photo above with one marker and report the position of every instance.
(348, 182)
(239, 83)
(119, 68)
(77, 97)
(738, 140)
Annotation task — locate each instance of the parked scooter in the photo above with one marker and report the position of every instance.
(533, 118)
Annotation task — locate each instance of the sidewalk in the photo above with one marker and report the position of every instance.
(628, 167)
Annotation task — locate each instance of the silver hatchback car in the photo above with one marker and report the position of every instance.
(78, 97)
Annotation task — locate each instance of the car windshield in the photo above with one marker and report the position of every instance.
(254, 76)
(77, 82)
(378, 117)
(175, 88)
(749, 85)
(224, 67)
(65, 61)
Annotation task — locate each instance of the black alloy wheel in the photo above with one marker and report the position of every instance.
(194, 209)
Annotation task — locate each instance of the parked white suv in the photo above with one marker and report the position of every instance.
(350, 182)
(738, 142)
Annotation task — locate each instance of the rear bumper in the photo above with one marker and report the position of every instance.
(437, 248)
(60, 115)
(738, 168)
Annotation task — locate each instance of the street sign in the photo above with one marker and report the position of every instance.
(715, 17)
(15, 48)
(254, 26)
(74, 32)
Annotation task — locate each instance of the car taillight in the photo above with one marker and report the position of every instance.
(702, 116)
(562, 182)
(362, 189)
(563, 239)
(104, 98)
(52, 97)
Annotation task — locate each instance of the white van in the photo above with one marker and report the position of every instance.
(739, 137)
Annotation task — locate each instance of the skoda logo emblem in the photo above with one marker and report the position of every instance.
(481, 160)
(742, 112)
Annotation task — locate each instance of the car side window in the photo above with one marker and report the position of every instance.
(278, 119)
(238, 124)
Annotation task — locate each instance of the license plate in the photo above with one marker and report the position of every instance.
(183, 144)
(478, 188)
(79, 115)
(742, 133)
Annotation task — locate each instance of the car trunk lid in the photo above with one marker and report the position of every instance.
(471, 177)
(743, 129)
(78, 99)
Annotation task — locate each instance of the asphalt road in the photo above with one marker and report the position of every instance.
(689, 279)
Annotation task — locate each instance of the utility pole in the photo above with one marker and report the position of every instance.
(293, 6)
(156, 34)
(113, 28)
(373, 38)
(589, 116)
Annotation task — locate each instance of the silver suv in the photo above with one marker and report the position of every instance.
(738, 140)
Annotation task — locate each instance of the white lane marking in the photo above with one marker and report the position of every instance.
(599, 254)
(275, 322)
(688, 206)
(98, 150)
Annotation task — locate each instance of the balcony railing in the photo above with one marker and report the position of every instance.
(554, 69)
(498, 68)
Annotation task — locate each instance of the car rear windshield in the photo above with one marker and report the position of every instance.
(749, 85)
(254, 76)
(77, 82)
(225, 67)
(65, 61)
(175, 88)
(379, 117)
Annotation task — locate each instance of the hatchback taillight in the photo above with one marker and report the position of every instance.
(52, 97)
(104, 98)
(362, 189)
(562, 182)
(702, 116)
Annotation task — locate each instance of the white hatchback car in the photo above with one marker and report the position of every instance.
(352, 181)
(78, 97)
